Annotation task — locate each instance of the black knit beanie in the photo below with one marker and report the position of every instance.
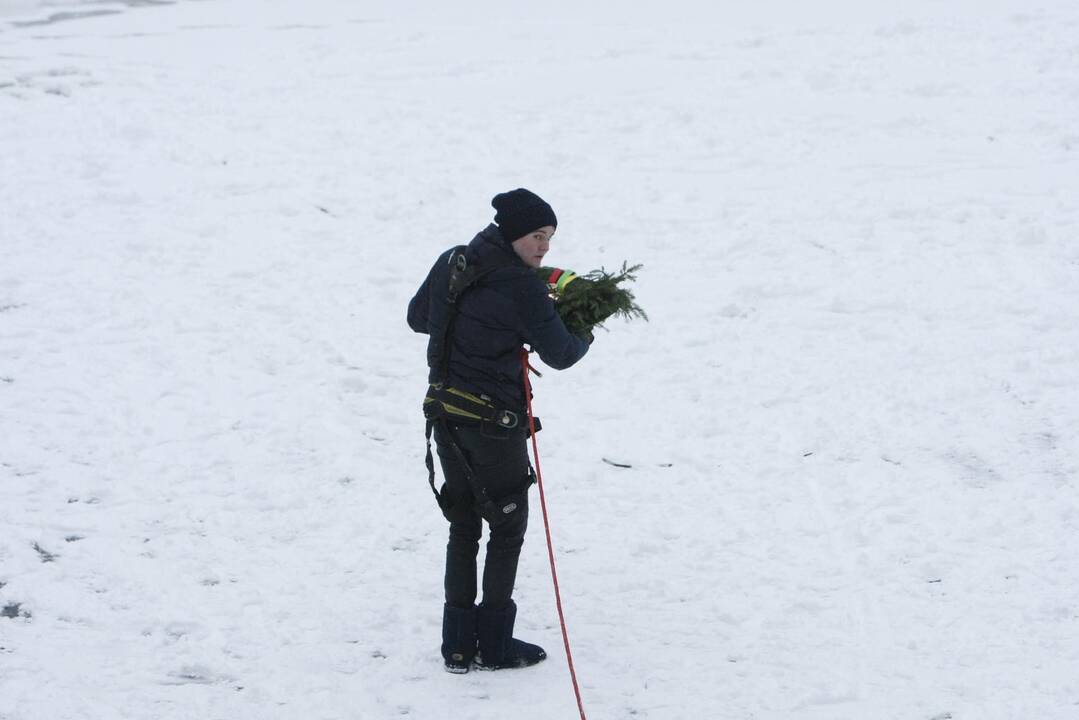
(519, 212)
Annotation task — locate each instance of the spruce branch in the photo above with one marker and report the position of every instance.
(587, 301)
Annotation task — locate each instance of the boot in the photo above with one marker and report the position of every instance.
(498, 649)
(458, 637)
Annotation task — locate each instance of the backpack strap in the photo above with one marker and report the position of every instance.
(463, 275)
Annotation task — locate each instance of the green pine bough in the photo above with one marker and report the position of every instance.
(587, 301)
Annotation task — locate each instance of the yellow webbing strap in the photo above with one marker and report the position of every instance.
(437, 394)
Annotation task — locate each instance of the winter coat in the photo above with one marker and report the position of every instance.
(505, 309)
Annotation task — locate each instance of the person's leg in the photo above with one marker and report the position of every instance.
(465, 524)
(459, 610)
(501, 467)
(504, 544)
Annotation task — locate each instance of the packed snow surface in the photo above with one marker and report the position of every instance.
(852, 423)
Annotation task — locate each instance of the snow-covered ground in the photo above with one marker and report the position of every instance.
(853, 420)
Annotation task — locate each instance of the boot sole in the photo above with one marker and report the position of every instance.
(513, 666)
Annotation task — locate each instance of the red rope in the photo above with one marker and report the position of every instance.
(525, 367)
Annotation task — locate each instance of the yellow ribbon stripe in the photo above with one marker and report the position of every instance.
(567, 277)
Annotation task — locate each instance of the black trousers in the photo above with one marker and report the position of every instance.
(499, 463)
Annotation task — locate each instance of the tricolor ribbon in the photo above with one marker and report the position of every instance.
(559, 279)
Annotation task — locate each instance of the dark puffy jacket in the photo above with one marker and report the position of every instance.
(506, 308)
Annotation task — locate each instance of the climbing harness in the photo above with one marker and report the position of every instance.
(449, 407)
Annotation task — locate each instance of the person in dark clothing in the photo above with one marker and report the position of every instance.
(476, 407)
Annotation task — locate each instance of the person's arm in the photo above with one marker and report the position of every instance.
(544, 330)
(417, 307)
(420, 305)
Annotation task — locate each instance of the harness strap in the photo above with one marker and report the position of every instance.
(462, 276)
(430, 460)
(462, 406)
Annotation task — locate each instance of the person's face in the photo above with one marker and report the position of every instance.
(532, 247)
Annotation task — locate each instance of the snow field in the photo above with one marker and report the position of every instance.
(851, 420)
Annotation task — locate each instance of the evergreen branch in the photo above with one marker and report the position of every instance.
(590, 300)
